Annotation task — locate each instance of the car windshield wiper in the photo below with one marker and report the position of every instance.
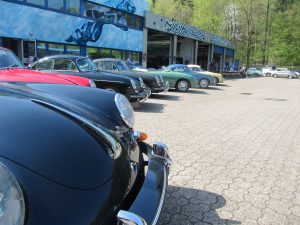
(13, 65)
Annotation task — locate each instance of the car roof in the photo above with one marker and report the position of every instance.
(63, 56)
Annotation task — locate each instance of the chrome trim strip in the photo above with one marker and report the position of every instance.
(113, 144)
(128, 218)
(162, 199)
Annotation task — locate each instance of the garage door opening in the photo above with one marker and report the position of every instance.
(159, 53)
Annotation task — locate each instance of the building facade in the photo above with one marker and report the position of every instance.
(98, 28)
(108, 28)
(169, 41)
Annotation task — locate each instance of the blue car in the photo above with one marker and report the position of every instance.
(204, 80)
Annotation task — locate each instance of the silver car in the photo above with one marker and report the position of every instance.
(284, 73)
(254, 72)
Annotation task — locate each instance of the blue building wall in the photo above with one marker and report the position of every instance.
(133, 6)
(26, 22)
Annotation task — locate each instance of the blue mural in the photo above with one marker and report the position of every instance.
(92, 30)
(24, 22)
(137, 7)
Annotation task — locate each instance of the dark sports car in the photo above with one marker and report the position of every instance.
(67, 158)
(132, 87)
(118, 66)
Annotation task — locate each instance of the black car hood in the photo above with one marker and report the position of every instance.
(52, 144)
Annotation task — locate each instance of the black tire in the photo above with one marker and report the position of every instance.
(204, 83)
(290, 77)
(275, 75)
(256, 74)
(269, 75)
(182, 85)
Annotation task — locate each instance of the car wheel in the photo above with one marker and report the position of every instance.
(275, 75)
(203, 83)
(268, 75)
(256, 74)
(182, 85)
(290, 76)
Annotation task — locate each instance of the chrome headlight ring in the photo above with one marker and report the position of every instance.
(92, 84)
(125, 109)
(133, 84)
(157, 80)
(12, 203)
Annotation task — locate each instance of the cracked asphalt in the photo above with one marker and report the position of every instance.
(235, 151)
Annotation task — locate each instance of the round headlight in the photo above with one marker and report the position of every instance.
(133, 83)
(125, 109)
(161, 78)
(157, 80)
(92, 84)
(12, 205)
(141, 81)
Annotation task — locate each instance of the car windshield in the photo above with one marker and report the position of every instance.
(8, 59)
(86, 64)
(122, 66)
(181, 69)
(196, 69)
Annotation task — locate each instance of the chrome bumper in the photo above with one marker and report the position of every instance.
(147, 207)
(142, 96)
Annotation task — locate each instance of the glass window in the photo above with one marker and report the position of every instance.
(45, 65)
(137, 22)
(56, 4)
(41, 49)
(86, 64)
(105, 53)
(73, 6)
(64, 64)
(73, 50)
(128, 19)
(136, 57)
(56, 49)
(37, 2)
(122, 66)
(106, 65)
(92, 53)
(29, 48)
(116, 54)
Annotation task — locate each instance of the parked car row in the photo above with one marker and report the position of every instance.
(69, 153)
(267, 71)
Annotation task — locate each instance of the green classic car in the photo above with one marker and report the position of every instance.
(180, 81)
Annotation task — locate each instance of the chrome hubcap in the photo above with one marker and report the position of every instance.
(182, 86)
(203, 83)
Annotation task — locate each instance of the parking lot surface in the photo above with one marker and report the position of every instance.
(235, 151)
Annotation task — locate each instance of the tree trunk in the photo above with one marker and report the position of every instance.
(264, 49)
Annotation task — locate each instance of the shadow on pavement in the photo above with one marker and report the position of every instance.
(224, 85)
(184, 206)
(214, 88)
(165, 97)
(148, 107)
(196, 91)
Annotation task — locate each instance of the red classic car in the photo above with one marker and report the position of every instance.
(13, 70)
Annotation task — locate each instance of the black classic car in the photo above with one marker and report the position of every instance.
(118, 66)
(66, 158)
(132, 87)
